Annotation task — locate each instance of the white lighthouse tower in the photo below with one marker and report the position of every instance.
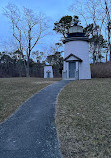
(76, 55)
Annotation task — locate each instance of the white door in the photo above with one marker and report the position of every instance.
(72, 69)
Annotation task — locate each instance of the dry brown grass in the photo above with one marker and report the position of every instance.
(14, 91)
(84, 119)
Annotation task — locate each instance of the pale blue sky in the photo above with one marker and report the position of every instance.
(54, 9)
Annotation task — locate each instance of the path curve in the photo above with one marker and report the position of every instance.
(31, 131)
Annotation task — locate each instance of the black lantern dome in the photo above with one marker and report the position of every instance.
(75, 33)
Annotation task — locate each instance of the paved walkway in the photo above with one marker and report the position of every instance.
(31, 132)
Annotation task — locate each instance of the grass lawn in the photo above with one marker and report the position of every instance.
(14, 91)
(84, 119)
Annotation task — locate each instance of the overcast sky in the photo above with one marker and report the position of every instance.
(54, 9)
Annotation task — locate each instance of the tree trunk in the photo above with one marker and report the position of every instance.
(29, 51)
(94, 57)
(110, 53)
(109, 44)
(108, 27)
(106, 57)
(27, 68)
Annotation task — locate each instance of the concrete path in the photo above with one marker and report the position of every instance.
(31, 131)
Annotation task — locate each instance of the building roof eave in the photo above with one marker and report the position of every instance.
(75, 39)
(77, 58)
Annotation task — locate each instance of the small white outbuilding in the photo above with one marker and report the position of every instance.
(48, 71)
(76, 64)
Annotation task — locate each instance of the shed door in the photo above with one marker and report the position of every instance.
(72, 69)
(48, 74)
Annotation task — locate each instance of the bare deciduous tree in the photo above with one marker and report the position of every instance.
(28, 28)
